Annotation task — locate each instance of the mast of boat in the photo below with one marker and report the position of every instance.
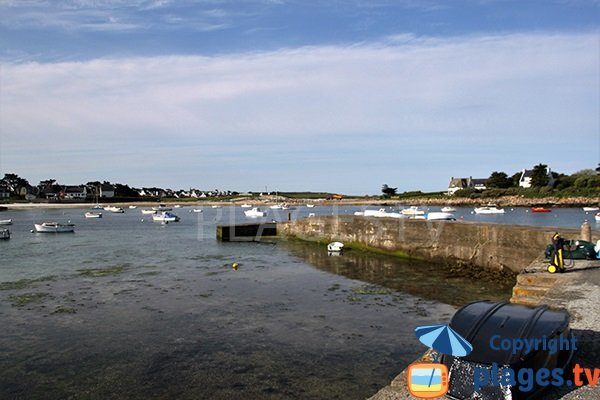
(96, 196)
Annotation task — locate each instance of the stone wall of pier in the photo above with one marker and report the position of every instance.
(496, 246)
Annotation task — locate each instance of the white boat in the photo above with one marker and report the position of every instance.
(381, 213)
(176, 206)
(5, 221)
(448, 209)
(282, 206)
(4, 234)
(589, 209)
(597, 217)
(246, 205)
(161, 208)
(489, 209)
(440, 216)
(335, 247)
(54, 227)
(165, 216)
(197, 210)
(113, 209)
(412, 211)
(132, 207)
(148, 212)
(215, 206)
(97, 207)
(254, 212)
(374, 213)
(310, 205)
(92, 214)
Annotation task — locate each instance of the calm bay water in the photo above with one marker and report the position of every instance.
(126, 308)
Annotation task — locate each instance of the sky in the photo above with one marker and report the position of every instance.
(297, 95)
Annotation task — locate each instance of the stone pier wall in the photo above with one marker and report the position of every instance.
(496, 246)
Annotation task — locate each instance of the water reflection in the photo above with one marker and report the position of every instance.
(419, 278)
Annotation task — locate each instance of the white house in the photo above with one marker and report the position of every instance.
(107, 191)
(457, 184)
(525, 179)
(75, 192)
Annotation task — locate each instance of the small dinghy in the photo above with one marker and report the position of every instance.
(54, 227)
(335, 247)
(165, 216)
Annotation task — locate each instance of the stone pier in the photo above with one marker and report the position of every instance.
(484, 245)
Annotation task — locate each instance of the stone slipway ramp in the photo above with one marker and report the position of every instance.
(578, 292)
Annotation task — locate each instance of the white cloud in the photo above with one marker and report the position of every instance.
(506, 92)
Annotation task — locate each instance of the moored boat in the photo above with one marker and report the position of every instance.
(335, 247)
(489, 209)
(148, 212)
(412, 211)
(197, 210)
(161, 208)
(448, 209)
(4, 234)
(590, 209)
(381, 213)
(54, 227)
(441, 216)
(254, 212)
(5, 221)
(165, 216)
(540, 210)
(597, 217)
(132, 207)
(281, 206)
(92, 214)
(246, 205)
(113, 209)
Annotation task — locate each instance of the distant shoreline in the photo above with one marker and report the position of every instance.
(507, 201)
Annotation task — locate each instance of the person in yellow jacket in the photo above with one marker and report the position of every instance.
(557, 259)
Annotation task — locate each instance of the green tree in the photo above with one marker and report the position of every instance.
(388, 191)
(14, 182)
(49, 186)
(563, 181)
(499, 180)
(539, 176)
(125, 191)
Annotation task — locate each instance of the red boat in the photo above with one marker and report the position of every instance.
(540, 209)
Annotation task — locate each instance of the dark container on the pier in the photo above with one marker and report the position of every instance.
(478, 322)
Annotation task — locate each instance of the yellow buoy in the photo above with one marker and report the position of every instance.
(235, 266)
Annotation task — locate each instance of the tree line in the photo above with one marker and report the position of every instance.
(543, 183)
